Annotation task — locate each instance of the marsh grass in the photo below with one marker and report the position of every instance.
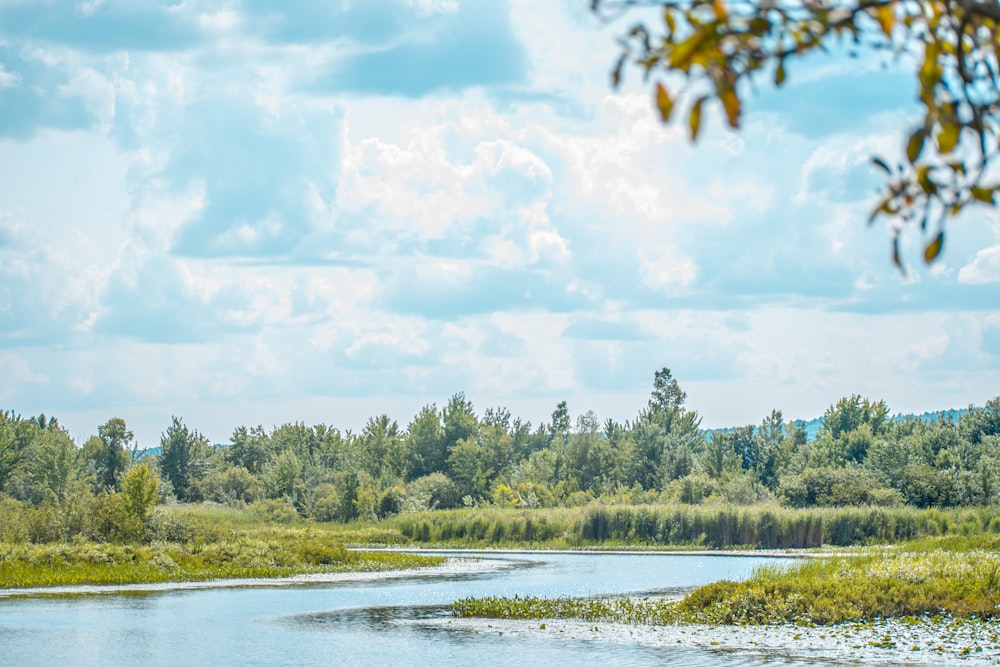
(917, 580)
(198, 543)
(67, 564)
(686, 526)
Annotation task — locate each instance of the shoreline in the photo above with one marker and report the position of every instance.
(453, 567)
(922, 641)
(728, 553)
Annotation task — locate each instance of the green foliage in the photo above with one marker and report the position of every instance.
(235, 485)
(577, 475)
(276, 510)
(183, 459)
(718, 50)
(871, 585)
(139, 492)
(831, 486)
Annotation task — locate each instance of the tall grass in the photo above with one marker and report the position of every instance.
(766, 527)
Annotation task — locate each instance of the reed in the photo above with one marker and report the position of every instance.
(682, 526)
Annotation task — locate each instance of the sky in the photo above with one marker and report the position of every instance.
(249, 212)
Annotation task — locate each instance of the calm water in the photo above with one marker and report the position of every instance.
(352, 623)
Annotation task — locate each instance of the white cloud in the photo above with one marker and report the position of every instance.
(214, 232)
(985, 268)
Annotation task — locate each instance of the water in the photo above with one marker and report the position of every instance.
(354, 623)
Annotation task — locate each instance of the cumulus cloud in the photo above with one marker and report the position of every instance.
(984, 268)
(304, 206)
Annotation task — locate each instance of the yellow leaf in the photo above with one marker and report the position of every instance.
(664, 102)
(731, 103)
(948, 138)
(887, 19)
(694, 119)
(933, 248)
(924, 179)
(668, 18)
(779, 74)
(682, 53)
(720, 10)
(983, 194)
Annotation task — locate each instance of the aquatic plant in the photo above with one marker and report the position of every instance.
(872, 584)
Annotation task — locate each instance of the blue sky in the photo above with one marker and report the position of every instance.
(252, 212)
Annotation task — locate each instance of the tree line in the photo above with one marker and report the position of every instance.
(452, 457)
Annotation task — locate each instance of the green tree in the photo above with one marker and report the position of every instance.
(980, 423)
(460, 420)
(667, 395)
(721, 49)
(14, 439)
(139, 491)
(386, 448)
(54, 468)
(283, 476)
(109, 454)
(183, 458)
(250, 449)
(426, 444)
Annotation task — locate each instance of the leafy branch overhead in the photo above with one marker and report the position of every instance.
(711, 50)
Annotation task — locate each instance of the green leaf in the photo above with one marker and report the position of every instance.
(779, 74)
(694, 119)
(915, 145)
(664, 102)
(933, 248)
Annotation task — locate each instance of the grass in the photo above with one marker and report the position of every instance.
(67, 564)
(204, 542)
(918, 579)
(685, 526)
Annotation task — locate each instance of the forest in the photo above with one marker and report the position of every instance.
(52, 489)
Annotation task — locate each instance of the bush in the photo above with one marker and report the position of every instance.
(275, 510)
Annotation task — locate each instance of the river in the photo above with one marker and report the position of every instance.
(360, 622)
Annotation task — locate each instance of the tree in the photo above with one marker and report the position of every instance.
(720, 49)
(110, 453)
(250, 449)
(183, 458)
(460, 421)
(139, 491)
(427, 446)
(667, 395)
(14, 441)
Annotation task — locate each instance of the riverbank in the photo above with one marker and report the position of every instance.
(450, 567)
(913, 641)
(916, 579)
(36, 566)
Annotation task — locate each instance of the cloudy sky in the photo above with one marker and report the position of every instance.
(254, 212)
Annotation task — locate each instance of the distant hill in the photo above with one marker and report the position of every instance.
(812, 426)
